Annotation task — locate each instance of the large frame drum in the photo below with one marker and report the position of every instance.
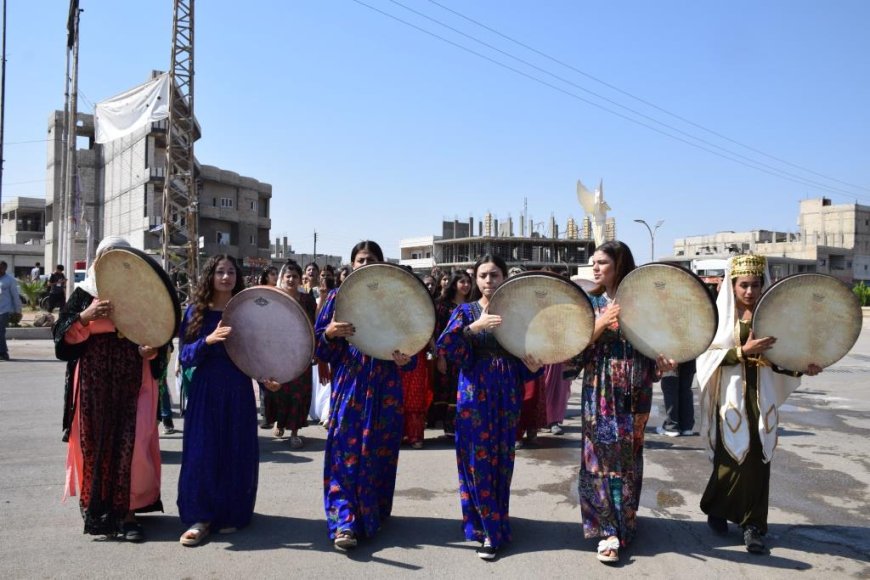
(145, 307)
(543, 315)
(271, 335)
(390, 308)
(815, 318)
(666, 309)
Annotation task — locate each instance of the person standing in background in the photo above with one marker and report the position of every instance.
(10, 303)
(35, 272)
(57, 289)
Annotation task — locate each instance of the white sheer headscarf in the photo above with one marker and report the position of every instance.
(89, 284)
(722, 387)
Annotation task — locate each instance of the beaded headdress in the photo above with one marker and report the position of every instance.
(747, 265)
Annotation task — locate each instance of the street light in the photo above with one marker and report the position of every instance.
(652, 237)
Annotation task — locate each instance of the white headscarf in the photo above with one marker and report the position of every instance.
(89, 284)
(722, 388)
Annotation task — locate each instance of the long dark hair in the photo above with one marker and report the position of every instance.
(369, 246)
(623, 263)
(487, 259)
(449, 293)
(326, 284)
(343, 272)
(264, 275)
(204, 293)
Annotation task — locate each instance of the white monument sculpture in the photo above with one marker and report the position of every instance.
(595, 207)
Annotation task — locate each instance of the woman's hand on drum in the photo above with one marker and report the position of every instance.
(400, 359)
(441, 365)
(97, 309)
(219, 334)
(339, 330)
(813, 370)
(486, 321)
(757, 345)
(147, 352)
(271, 384)
(533, 364)
(608, 319)
(665, 364)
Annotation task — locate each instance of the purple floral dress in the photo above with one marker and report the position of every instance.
(617, 396)
(364, 433)
(488, 406)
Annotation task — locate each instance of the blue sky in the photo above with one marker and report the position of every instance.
(369, 128)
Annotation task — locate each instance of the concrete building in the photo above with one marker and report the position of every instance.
(459, 247)
(120, 192)
(22, 234)
(282, 251)
(831, 239)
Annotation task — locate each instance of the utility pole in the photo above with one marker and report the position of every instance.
(72, 162)
(315, 246)
(2, 113)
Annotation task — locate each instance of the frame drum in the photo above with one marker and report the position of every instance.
(814, 317)
(666, 309)
(145, 307)
(389, 307)
(272, 336)
(543, 315)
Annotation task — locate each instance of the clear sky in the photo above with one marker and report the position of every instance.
(368, 127)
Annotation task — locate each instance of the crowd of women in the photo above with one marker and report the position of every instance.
(489, 401)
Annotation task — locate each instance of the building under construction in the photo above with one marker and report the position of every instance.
(119, 191)
(531, 245)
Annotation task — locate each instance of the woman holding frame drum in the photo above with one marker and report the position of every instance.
(113, 459)
(616, 402)
(287, 404)
(490, 393)
(736, 382)
(217, 487)
(364, 432)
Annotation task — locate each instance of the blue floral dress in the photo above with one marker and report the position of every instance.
(488, 406)
(617, 397)
(364, 433)
(220, 458)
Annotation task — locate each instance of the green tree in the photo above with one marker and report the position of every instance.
(31, 290)
(862, 291)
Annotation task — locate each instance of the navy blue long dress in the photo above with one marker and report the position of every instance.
(221, 455)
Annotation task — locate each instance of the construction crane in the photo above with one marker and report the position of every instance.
(180, 197)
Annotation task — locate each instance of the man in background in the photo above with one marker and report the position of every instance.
(10, 303)
(57, 289)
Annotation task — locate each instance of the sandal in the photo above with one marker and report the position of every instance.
(608, 545)
(278, 432)
(195, 534)
(296, 442)
(132, 532)
(345, 540)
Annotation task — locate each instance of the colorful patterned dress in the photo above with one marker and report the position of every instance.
(221, 454)
(617, 397)
(488, 406)
(416, 397)
(363, 435)
(288, 407)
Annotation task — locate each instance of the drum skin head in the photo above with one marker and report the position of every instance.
(145, 307)
(815, 318)
(390, 308)
(543, 315)
(666, 309)
(271, 335)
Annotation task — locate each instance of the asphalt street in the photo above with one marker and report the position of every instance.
(819, 525)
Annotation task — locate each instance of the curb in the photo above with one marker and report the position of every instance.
(28, 333)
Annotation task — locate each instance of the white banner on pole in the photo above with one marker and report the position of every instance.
(123, 114)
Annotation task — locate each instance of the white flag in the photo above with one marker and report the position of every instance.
(123, 114)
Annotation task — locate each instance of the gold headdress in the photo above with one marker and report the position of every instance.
(747, 265)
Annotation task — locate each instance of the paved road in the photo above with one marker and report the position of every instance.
(819, 501)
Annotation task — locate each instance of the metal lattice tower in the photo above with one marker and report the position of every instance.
(180, 197)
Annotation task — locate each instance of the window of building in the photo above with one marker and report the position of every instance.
(254, 205)
(227, 202)
(214, 202)
(251, 240)
(223, 238)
